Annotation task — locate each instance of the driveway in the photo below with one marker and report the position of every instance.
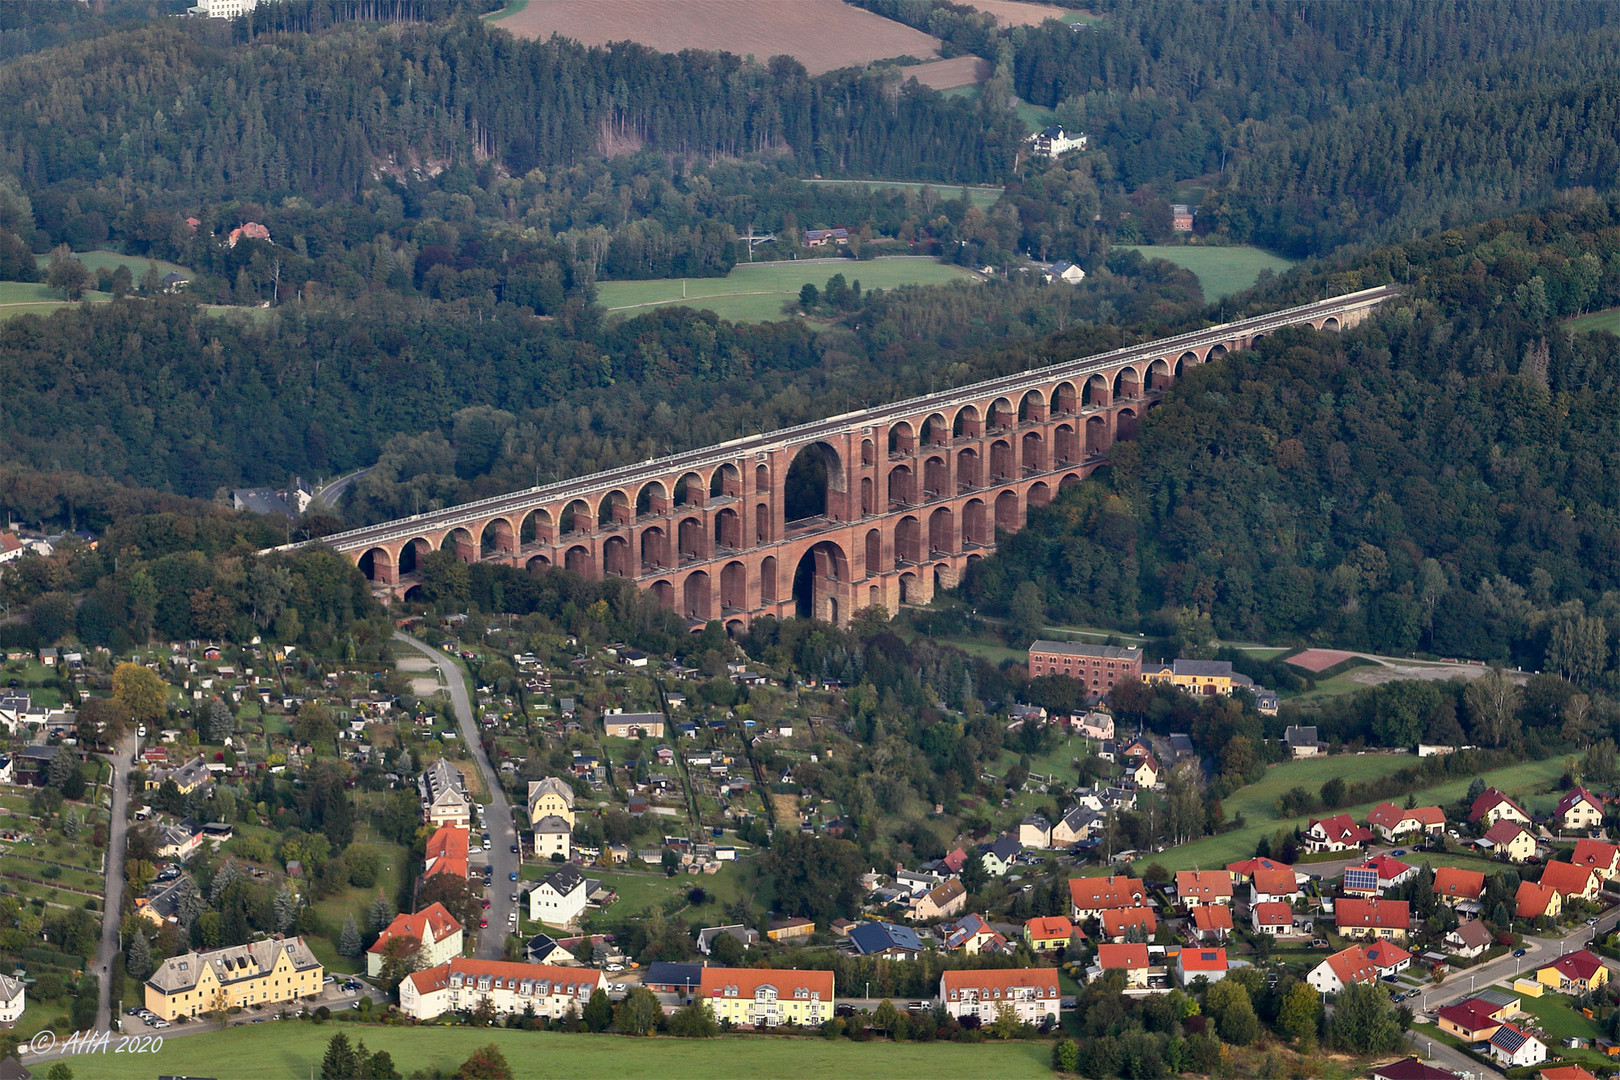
(113, 901)
(497, 813)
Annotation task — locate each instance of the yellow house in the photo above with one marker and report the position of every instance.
(1578, 972)
(192, 984)
(1509, 838)
(551, 797)
(1203, 677)
(1146, 773)
(768, 997)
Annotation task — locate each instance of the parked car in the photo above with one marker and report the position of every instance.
(516, 850)
(512, 876)
(483, 924)
(843, 1009)
(1397, 853)
(1518, 952)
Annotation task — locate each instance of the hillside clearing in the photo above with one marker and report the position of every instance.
(821, 34)
(756, 293)
(982, 196)
(1221, 271)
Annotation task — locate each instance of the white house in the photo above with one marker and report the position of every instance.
(463, 983)
(1512, 1046)
(559, 898)
(1358, 964)
(13, 999)
(1063, 271)
(1032, 993)
(1052, 141)
(437, 930)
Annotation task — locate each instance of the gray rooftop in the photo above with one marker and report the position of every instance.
(1079, 648)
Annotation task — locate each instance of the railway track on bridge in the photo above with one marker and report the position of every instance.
(354, 541)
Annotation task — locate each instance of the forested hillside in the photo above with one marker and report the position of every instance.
(1444, 478)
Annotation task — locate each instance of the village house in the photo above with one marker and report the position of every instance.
(1454, 886)
(1579, 810)
(1391, 822)
(1468, 940)
(887, 941)
(1035, 832)
(1575, 973)
(1063, 271)
(1513, 1047)
(1196, 887)
(1211, 922)
(560, 898)
(619, 724)
(1090, 897)
(264, 972)
(1207, 964)
(1600, 858)
(1095, 725)
(1473, 1020)
(447, 851)
(1358, 964)
(1570, 880)
(1386, 920)
(1273, 881)
(1411, 1069)
(463, 984)
(998, 855)
(972, 935)
(1336, 833)
(1206, 678)
(745, 936)
(438, 934)
(188, 777)
(1031, 992)
(1302, 742)
(1132, 959)
(823, 237)
(1509, 840)
(1145, 773)
(1117, 923)
(1048, 933)
(1052, 141)
(1493, 806)
(1534, 900)
(443, 792)
(1075, 826)
(941, 902)
(13, 1000)
(768, 997)
(1272, 917)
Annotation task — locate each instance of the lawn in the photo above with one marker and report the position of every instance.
(396, 864)
(1599, 320)
(1255, 802)
(96, 261)
(1221, 271)
(981, 196)
(757, 293)
(284, 1050)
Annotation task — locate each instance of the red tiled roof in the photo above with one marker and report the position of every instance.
(1273, 913)
(1276, 881)
(1566, 1072)
(1044, 980)
(1386, 954)
(1473, 1016)
(1580, 965)
(1504, 832)
(432, 924)
(1116, 921)
(1050, 928)
(786, 980)
(1213, 917)
(1489, 798)
(1467, 884)
(1567, 878)
(1101, 893)
(1342, 829)
(1203, 885)
(1390, 816)
(577, 982)
(1594, 853)
(1353, 965)
(1131, 957)
(1388, 869)
(1383, 914)
(1247, 867)
(1203, 959)
(1531, 900)
(1574, 797)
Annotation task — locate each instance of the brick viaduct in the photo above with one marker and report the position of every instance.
(872, 508)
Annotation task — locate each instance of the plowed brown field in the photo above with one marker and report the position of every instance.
(949, 74)
(820, 34)
(1018, 13)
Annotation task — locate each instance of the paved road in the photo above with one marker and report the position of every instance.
(497, 814)
(113, 902)
(332, 493)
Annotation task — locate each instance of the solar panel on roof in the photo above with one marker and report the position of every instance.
(1359, 877)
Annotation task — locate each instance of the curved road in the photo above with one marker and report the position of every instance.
(497, 813)
(113, 902)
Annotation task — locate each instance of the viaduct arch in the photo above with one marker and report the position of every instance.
(877, 508)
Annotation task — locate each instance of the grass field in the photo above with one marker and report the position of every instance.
(757, 293)
(981, 196)
(1256, 801)
(820, 34)
(1222, 271)
(291, 1050)
(1599, 320)
(99, 260)
(37, 298)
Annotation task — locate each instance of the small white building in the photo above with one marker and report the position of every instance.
(559, 899)
(462, 984)
(13, 999)
(1066, 272)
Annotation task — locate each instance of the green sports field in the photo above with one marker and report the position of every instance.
(756, 293)
(1222, 271)
(981, 196)
(291, 1050)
